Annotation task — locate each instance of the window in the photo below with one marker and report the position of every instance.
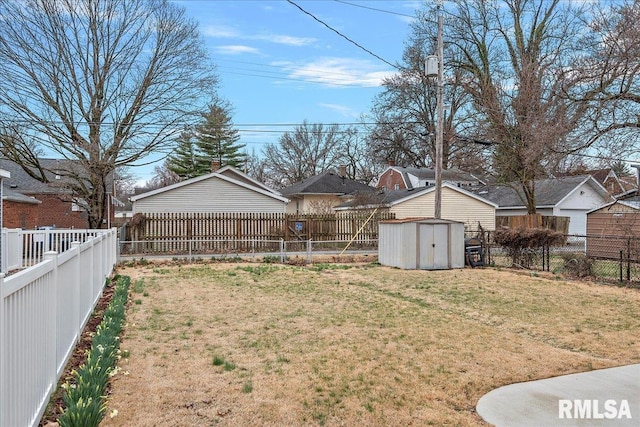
(396, 187)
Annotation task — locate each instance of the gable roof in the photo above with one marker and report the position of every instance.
(327, 183)
(236, 174)
(214, 175)
(393, 197)
(632, 202)
(548, 192)
(429, 174)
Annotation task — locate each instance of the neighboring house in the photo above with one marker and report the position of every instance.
(401, 178)
(617, 186)
(610, 226)
(569, 196)
(320, 193)
(457, 204)
(226, 190)
(19, 211)
(31, 203)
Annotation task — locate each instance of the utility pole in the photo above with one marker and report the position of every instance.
(439, 128)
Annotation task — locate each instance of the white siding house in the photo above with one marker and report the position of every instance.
(571, 196)
(225, 191)
(457, 204)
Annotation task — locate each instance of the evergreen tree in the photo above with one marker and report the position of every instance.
(213, 139)
(217, 139)
(183, 162)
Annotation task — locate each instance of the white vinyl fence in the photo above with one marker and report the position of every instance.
(43, 310)
(23, 248)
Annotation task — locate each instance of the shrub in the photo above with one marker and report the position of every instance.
(521, 243)
(577, 264)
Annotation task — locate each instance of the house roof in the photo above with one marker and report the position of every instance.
(453, 175)
(21, 182)
(548, 192)
(13, 196)
(625, 184)
(632, 202)
(236, 174)
(328, 183)
(215, 175)
(394, 197)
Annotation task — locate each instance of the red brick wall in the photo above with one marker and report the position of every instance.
(55, 211)
(390, 178)
(19, 215)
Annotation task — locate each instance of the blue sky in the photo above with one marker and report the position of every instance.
(279, 66)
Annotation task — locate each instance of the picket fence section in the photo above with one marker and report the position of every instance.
(43, 310)
(23, 248)
(179, 233)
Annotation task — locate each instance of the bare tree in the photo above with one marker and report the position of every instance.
(100, 82)
(405, 111)
(514, 55)
(610, 79)
(307, 151)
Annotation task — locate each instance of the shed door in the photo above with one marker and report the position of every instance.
(434, 246)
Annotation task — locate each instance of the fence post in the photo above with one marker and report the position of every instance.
(77, 316)
(620, 265)
(309, 258)
(282, 249)
(52, 313)
(628, 259)
(3, 349)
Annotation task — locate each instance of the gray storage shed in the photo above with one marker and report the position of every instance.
(425, 244)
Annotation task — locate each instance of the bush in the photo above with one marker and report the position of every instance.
(521, 243)
(578, 265)
(83, 398)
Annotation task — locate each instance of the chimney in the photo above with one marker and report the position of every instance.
(391, 162)
(342, 171)
(215, 165)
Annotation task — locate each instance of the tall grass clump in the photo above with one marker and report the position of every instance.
(84, 396)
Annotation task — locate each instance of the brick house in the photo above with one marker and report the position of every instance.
(406, 178)
(29, 203)
(19, 211)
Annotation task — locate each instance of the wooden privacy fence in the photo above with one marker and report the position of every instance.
(178, 232)
(557, 223)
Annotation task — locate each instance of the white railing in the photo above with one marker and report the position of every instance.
(23, 248)
(43, 310)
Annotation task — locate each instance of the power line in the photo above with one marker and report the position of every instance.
(374, 9)
(343, 36)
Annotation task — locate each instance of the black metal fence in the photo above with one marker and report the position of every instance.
(611, 258)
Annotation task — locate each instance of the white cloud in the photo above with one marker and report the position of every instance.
(235, 49)
(219, 31)
(341, 109)
(225, 32)
(337, 72)
(283, 39)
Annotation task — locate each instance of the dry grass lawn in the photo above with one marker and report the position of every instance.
(276, 345)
